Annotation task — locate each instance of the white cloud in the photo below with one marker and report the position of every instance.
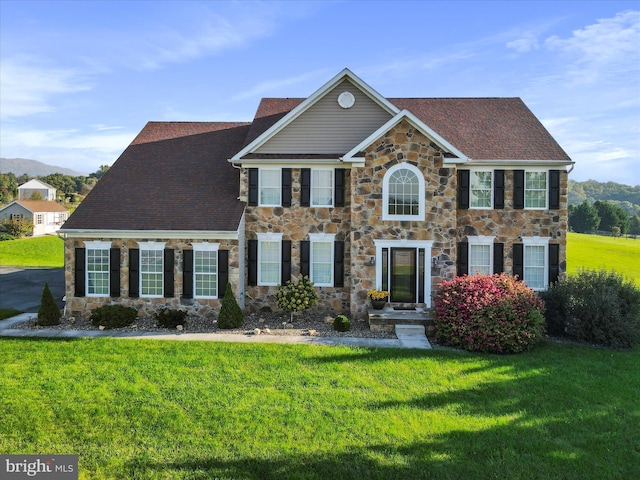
(28, 89)
(524, 44)
(270, 87)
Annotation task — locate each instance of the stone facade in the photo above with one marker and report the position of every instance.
(148, 306)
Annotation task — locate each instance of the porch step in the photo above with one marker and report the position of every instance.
(412, 336)
(385, 320)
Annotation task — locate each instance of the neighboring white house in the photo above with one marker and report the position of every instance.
(27, 190)
(46, 214)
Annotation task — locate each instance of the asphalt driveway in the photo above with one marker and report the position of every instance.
(21, 288)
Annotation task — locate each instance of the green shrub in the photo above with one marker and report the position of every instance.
(113, 316)
(488, 313)
(230, 315)
(48, 313)
(19, 228)
(169, 318)
(341, 324)
(298, 296)
(595, 306)
(6, 236)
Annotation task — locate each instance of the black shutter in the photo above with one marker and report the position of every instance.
(285, 275)
(554, 262)
(223, 271)
(554, 189)
(134, 272)
(286, 187)
(253, 263)
(305, 181)
(498, 189)
(253, 187)
(114, 272)
(518, 260)
(187, 273)
(338, 264)
(339, 184)
(463, 188)
(169, 262)
(305, 256)
(463, 258)
(80, 272)
(498, 257)
(518, 189)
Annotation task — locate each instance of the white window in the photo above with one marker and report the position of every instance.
(322, 188)
(269, 182)
(269, 258)
(403, 193)
(535, 189)
(39, 219)
(535, 262)
(321, 261)
(480, 255)
(151, 269)
(205, 270)
(97, 268)
(481, 189)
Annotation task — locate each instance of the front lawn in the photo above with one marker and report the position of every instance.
(149, 409)
(41, 252)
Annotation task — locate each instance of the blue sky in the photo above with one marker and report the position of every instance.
(80, 79)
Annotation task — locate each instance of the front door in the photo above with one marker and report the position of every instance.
(403, 275)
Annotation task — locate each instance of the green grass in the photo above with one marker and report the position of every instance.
(593, 252)
(43, 252)
(8, 313)
(196, 410)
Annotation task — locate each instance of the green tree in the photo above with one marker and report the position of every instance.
(583, 218)
(8, 187)
(230, 315)
(611, 216)
(634, 225)
(101, 172)
(48, 313)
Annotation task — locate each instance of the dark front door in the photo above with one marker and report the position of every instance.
(403, 275)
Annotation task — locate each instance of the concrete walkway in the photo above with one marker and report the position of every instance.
(406, 339)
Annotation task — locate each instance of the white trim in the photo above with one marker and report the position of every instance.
(421, 193)
(205, 247)
(332, 186)
(97, 245)
(261, 170)
(536, 242)
(135, 234)
(321, 238)
(269, 237)
(310, 101)
(491, 188)
(519, 164)
(151, 245)
(546, 195)
(416, 123)
(416, 244)
(484, 240)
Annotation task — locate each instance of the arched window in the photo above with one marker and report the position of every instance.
(403, 193)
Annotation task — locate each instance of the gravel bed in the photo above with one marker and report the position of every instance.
(269, 324)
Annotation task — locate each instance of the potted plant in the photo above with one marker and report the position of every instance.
(378, 298)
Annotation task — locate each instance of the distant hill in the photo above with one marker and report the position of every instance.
(626, 196)
(33, 168)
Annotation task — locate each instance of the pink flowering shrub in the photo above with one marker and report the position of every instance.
(488, 313)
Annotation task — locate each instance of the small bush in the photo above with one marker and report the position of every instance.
(298, 296)
(168, 318)
(113, 316)
(230, 315)
(595, 306)
(48, 313)
(488, 313)
(341, 324)
(5, 236)
(19, 228)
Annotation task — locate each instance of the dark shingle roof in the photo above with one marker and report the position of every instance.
(173, 176)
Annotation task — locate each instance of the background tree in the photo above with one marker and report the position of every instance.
(583, 218)
(611, 216)
(634, 225)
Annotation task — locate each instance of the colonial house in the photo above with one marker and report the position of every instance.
(354, 189)
(36, 204)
